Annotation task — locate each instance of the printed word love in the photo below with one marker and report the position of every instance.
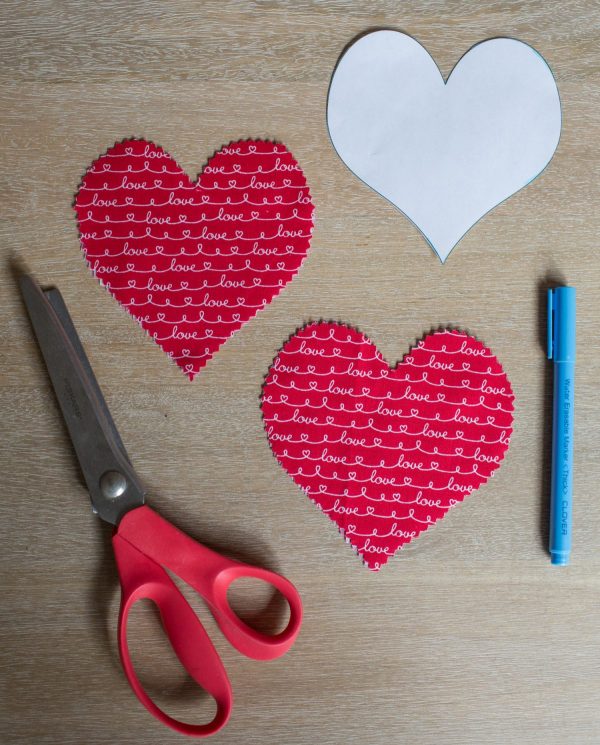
(386, 452)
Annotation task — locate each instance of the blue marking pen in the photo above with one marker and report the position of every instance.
(561, 349)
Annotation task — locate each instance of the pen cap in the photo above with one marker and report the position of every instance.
(561, 324)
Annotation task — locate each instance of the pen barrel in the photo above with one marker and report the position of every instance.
(561, 495)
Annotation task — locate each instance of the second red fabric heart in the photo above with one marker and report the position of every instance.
(193, 261)
(386, 452)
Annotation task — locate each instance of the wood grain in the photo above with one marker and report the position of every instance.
(467, 637)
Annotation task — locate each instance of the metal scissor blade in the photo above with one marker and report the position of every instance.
(113, 484)
(58, 304)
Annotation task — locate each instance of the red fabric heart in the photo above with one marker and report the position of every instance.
(193, 261)
(386, 452)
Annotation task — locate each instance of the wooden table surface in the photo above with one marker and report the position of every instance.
(466, 637)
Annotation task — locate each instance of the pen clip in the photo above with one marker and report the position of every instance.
(550, 323)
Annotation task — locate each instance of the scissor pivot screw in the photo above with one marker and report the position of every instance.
(112, 484)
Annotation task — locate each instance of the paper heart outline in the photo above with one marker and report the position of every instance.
(445, 81)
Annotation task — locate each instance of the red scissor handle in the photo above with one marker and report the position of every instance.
(141, 578)
(145, 543)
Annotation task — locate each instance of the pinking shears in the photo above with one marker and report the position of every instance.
(144, 543)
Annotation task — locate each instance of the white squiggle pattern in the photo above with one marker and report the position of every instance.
(249, 216)
(189, 201)
(256, 250)
(385, 453)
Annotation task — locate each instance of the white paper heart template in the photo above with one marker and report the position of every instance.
(444, 153)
